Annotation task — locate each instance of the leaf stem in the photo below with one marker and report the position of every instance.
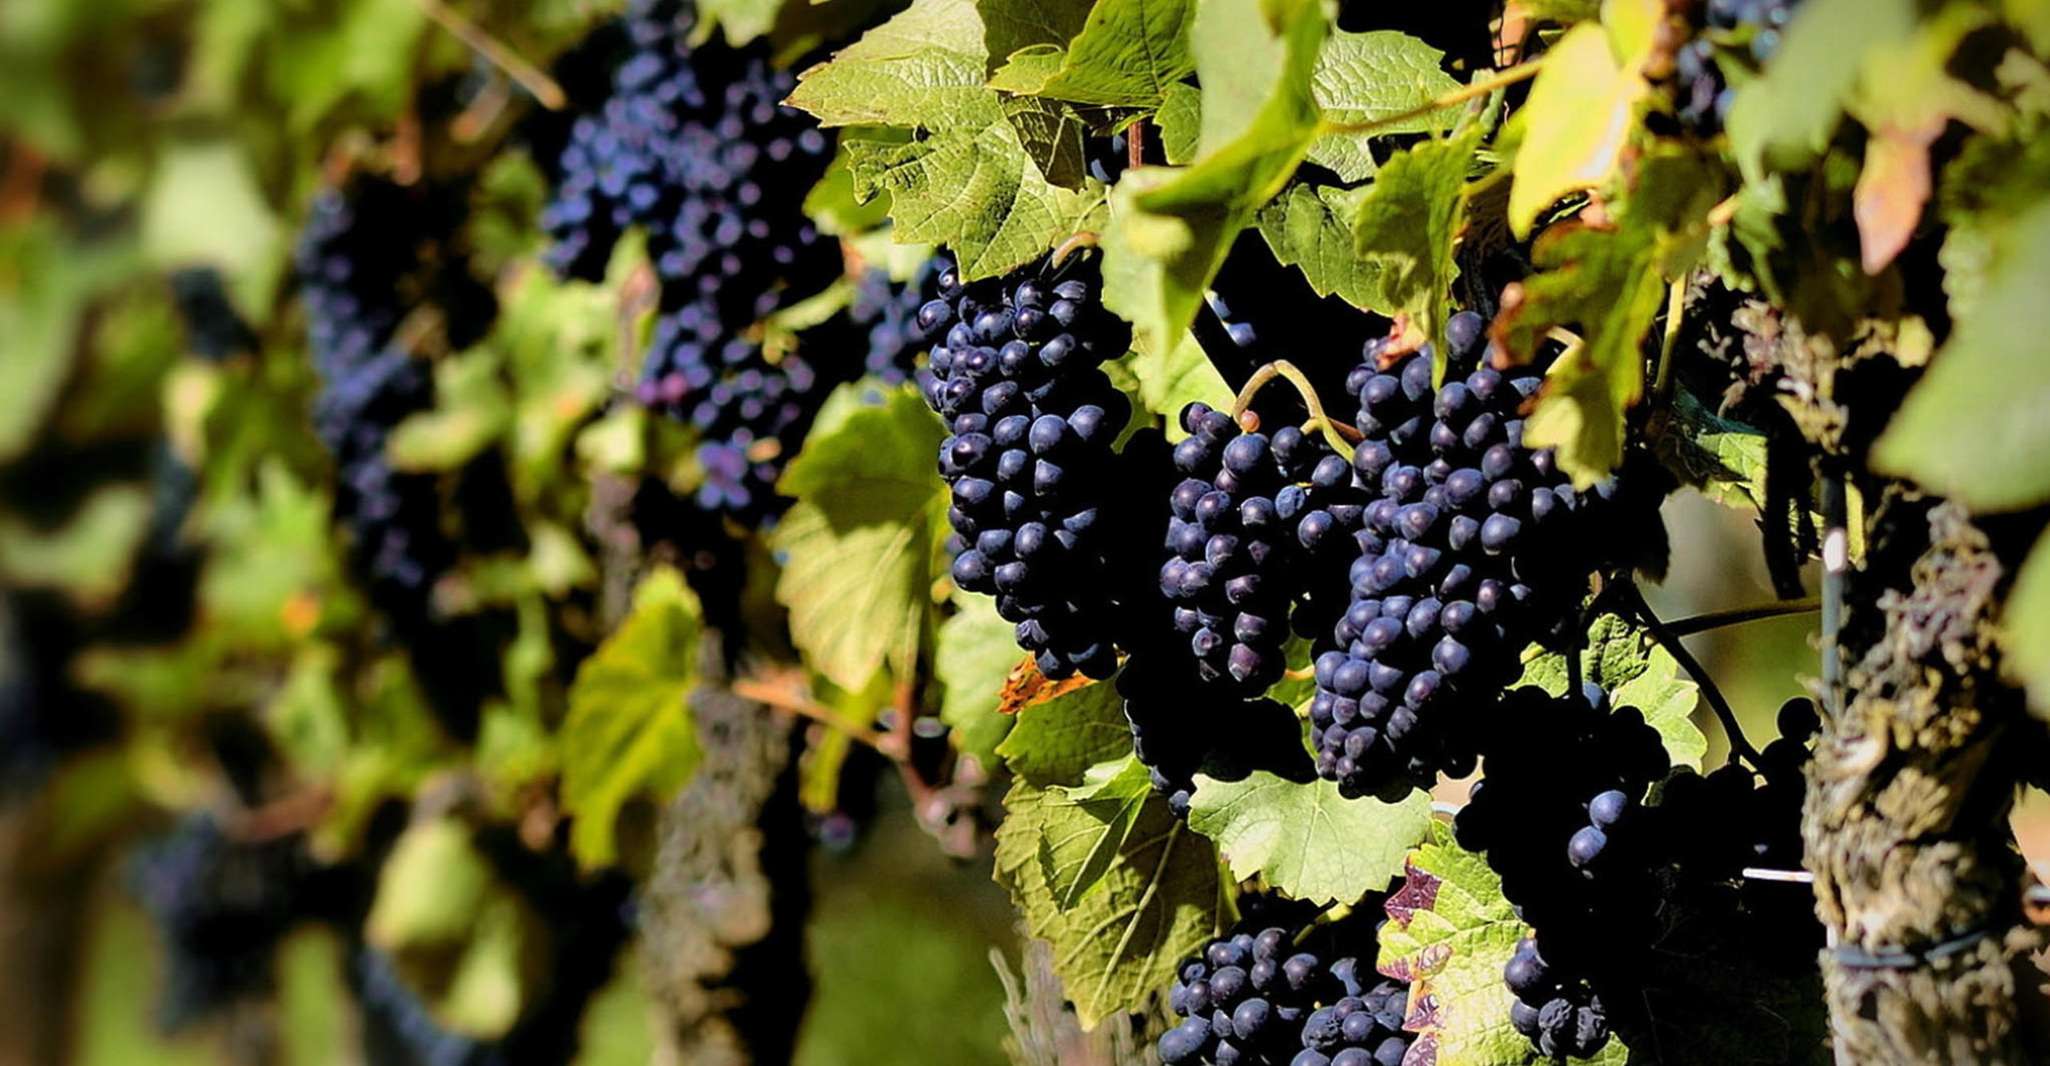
(1135, 144)
(1676, 301)
(1066, 248)
(1633, 598)
(1337, 434)
(531, 78)
(1523, 71)
(1735, 616)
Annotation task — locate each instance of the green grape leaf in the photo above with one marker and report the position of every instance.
(430, 888)
(1150, 902)
(974, 653)
(1056, 742)
(2025, 628)
(1973, 427)
(1180, 122)
(629, 730)
(489, 986)
(1723, 458)
(1449, 934)
(1114, 795)
(366, 54)
(1156, 266)
(1624, 660)
(1170, 226)
(471, 411)
(1304, 837)
(1009, 26)
(968, 180)
(1582, 112)
(51, 279)
(1127, 55)
(204, 206)
(1608, 284)
(1368, 77)
(1406, 227)
(1789, 114)
(90, 556)
(741, 21)
(860, 542)
(1310, 227)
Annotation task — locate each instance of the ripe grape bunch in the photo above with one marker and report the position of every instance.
(1474, 546)
(1252, 519)
(221, 905)
(1703, 88)
(1565, 817)
(888, 311)
(1028, 458)
(694, 147)
(1561, 819)
(1254, 999)
(360, 246)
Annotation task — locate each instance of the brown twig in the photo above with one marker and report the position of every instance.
(784, 693)
(531, 78)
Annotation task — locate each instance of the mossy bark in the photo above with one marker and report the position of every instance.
(1906, 824)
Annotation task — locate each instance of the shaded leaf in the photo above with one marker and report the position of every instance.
(1407, 225)
(629, 730)
(1156, 898)
(971, 658)
(1973, 427)
(858, 547)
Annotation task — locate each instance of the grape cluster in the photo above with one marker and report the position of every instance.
(1473, 546)
(1252, 519)
(1256, 999)
(888, 312)
(1703, 90)
(1562, 1016)
(1565, 817)
(358, 248)
(693, 146)
(221, 906)
(372, 255)
(1732, 819)
(1561, 818)
(1028, 458)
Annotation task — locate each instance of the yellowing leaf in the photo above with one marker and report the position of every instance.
(1581, 113)
(1892, 188)
(629, 731)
